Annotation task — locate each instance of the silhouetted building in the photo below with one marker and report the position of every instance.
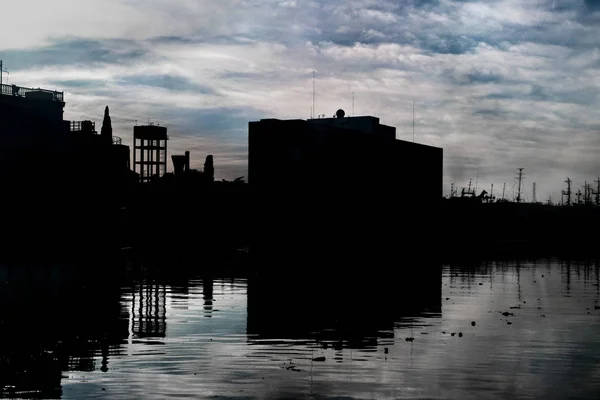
(342, 183)
(59, 173)
(181, 163)
(149, 151)
(343, 153)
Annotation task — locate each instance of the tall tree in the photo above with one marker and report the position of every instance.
(106, 131)
(209, 169)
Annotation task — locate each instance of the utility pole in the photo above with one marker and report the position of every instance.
(568, 191)
(578, 194)
(520, 178)
(503, 190)
(492, 193)
(534, 199)
(586, 192)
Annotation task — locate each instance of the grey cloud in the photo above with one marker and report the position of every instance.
(169, 82)
(75, 51)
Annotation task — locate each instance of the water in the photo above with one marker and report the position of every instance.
(150, 336)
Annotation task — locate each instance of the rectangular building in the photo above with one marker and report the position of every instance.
(344, 154)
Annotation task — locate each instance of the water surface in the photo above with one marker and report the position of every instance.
(487, 330)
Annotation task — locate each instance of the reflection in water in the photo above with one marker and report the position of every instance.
(524, 329)
(347, 312)
(52, 322)
(148, 311)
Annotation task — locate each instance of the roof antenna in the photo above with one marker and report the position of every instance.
(413, 121)
(313, 107)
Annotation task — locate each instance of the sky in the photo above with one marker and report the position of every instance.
(498, 84)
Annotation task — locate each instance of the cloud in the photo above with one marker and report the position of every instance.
(499, 85)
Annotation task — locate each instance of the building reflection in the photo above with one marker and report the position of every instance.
(207, 296)
(53, 320)
(346, 311)
(148, 311)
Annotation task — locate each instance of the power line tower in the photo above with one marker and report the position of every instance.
(520, 177)
(453, 190)
(567, 193)
(534, 198)
(587, 193)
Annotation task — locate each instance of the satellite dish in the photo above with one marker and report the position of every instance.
(340, 113)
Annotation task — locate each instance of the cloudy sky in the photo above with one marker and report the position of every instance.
(499, 84)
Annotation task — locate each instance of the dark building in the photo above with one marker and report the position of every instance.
(59, 174)
(342, 181)
(181, 163)
(149, 151)
(344, 153)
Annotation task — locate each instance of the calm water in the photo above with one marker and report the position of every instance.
(493, 330)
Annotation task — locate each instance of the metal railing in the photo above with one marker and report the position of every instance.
(77, 126)
(19, 91)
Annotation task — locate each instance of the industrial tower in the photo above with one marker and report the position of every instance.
(149, 151)
(520, 177)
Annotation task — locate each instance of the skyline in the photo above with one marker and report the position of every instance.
(498, 85)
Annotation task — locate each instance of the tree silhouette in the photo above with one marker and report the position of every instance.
(106, 131)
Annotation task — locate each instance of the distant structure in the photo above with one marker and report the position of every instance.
(342, 153)
(181, 163)
(34, 137)
(209, 168)
(149, 151)
(520, 177)
(57, 174)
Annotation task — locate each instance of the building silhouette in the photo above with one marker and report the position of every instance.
(59, 173)
(329, 184)
(342, 153)
(149, 151)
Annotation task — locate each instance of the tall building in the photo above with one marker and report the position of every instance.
(342, 154)
(60, 175)
(150, 151)
(345, 182)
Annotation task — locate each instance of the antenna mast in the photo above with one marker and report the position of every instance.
(313, 106)
(568, 191)
(413, 120)
(520, 178)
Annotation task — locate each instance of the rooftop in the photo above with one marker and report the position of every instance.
(32, 93)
